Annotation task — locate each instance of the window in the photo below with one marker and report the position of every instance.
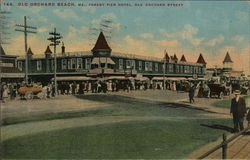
(195, 69)
(191, 69)
(128, 64)
(203, 70)
(156, 67)
(140, 65)
(38, 65)
(52, 64)
(69, 63)
(199, 70)
(185, 69)
(79, 63)
(171, 68)
(181, 69)
(120, 63)
(20, 65)
(88, 63)
(133, 64)
(177, 69)
(188, 69)
(64, 64)
(73, 63)
(148, 66)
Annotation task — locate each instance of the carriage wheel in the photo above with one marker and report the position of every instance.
(29, 95)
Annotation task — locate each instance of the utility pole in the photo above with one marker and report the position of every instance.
(26, 31)
(55, 37)
(164, 70)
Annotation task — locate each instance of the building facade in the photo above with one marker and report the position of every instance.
(8, 67)
(102, 62)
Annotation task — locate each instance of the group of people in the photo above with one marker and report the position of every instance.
(101, 86)
(238, 105)
(8, 90)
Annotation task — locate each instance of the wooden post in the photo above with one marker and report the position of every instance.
(224, 147)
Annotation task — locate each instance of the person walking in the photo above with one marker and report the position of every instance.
(238, 111)
(248, 117)
(191, 94)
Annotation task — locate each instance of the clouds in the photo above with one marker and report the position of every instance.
(215, 41)
(134, 45)
(37, 45)
(242, 16)
(238, 38)
(188, 33)
(74, 32)
(66, 14)
(167, 43)
(147, 35)
(42, 29)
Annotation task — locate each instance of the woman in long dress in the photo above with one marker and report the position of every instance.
(5, 93)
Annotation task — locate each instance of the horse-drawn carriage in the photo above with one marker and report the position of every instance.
(217, 90)
(29, 92)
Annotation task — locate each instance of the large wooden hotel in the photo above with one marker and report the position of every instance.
(101, 62)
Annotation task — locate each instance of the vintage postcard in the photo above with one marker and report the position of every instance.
(124, 79)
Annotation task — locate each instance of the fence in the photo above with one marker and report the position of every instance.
(223, 145)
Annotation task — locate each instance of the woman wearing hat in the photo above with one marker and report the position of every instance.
(238, 110)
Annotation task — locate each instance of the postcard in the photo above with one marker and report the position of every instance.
(125, 79)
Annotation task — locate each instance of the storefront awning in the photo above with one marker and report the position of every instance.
(113, 78)
(169, 78)
(98, 60)
(75, 78)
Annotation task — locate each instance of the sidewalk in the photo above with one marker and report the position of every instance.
(237, 149)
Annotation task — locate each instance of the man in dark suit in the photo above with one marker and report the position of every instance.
(238, 110)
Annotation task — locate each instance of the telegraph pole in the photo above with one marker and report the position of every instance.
(164, 70)
(26, 31)
(55, 37)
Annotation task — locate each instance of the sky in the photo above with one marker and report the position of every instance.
(208, 27)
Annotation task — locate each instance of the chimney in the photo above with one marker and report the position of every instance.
(63, 49)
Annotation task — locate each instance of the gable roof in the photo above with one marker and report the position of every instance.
(48, 50)
(30, 52)
(101, 43)
(183, 59)
(227, 58)
(201, 60)
(2, 52)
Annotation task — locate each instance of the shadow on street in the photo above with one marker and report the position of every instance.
(218, 126)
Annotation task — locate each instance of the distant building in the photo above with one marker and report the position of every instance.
(226, 72)
(8, 67)
(227, 63)
(101, 61)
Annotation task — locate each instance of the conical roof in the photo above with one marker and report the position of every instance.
(166, 56)
(183, 59)
(30, 52)
(201, 60)
(175, 57)
(227, 58)
(2, 52)
(101, 43)
(48, 50)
